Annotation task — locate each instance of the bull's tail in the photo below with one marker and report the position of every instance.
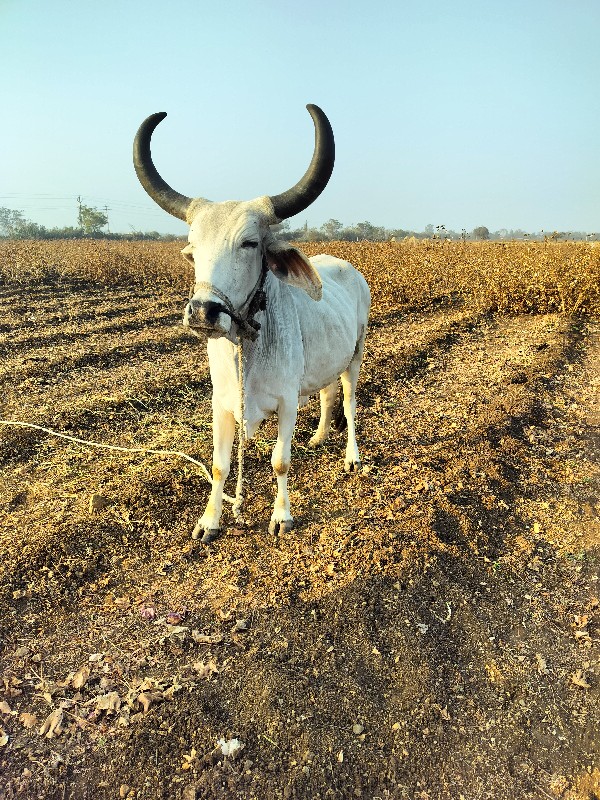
(339, 417)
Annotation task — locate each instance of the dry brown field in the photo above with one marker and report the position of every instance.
(430, 628)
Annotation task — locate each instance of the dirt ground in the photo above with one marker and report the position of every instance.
(429, 630)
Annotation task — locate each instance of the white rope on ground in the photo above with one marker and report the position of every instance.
(88, 443)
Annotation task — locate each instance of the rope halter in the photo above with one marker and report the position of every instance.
(247, 326)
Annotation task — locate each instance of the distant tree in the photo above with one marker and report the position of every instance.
(365, 230)
(311, 235)
(10, 221)
(332, 229)
(30, 230)
(481, 233)
(14, 225)
(398, 234)
(91, 220)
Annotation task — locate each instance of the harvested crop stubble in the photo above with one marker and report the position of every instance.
(506, 277)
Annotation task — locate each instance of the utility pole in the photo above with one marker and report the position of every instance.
(79, 217)
(106, 210)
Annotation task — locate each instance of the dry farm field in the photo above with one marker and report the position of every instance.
(429, 630)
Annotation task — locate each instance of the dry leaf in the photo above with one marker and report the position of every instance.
(29, 720)
(205, 670)
(147, 683)
(205, 638)
(6, 709)
(190, 761)
(578, 678)
(583, 636)
(541, 663)
(108, 702)
(168, 693)
(95, 657)
(81, 676)
(145, 699)
(53, 724)
(3, 738)
(9, 686)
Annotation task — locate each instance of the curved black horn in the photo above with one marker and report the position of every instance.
(162, 194)
(315, 179)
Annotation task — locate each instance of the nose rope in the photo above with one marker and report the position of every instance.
(239, 489)
(248, 328)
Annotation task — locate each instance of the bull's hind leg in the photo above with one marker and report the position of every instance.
(327, 395)
(349, 380)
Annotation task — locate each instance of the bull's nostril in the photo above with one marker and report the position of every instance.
(211, 311)
(206, 312)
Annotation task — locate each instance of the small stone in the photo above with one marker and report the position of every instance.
(98, 502)
(358, 729)
(123, 790)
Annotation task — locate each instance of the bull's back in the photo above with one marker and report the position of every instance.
(337, 274)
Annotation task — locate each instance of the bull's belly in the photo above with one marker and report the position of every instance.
(326, 357)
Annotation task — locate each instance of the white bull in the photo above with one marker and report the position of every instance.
(303, 321)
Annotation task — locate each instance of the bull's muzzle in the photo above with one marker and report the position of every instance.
(207, 317)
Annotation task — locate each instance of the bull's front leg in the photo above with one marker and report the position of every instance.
(281, 518)
(208, 526)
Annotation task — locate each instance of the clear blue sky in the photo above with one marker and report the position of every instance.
(454, 112)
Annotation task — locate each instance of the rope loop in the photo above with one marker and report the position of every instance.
(239, 489)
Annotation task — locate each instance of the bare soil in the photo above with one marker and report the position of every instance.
(429, 630)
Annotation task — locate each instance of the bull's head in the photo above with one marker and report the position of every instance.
(231, 244)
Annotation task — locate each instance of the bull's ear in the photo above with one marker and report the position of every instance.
(293, 267)
(188, 253)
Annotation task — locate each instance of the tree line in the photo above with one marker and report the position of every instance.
(334, 230)
(91, 223)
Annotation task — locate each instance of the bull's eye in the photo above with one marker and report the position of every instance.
(248, 243)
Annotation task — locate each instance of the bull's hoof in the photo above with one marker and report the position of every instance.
(276, 527)
(352, 466)
(206, 535)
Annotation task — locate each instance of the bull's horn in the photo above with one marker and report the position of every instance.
(162, 194)
(315, 179)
